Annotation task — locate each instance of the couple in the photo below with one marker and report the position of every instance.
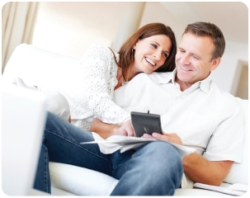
(195, 111)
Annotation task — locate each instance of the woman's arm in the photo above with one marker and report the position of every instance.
(103, 129)
(99, 80)
(106, 130)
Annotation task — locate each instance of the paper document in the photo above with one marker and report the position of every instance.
(234, 189)
(125, 143)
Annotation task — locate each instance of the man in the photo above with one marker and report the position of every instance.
(156, 168)
(194, 111)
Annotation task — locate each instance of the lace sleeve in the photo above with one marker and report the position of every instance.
(100, 78)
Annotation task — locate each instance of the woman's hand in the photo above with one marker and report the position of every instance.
(125, 129)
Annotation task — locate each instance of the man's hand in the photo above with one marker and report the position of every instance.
(125, 129)
(171, 137)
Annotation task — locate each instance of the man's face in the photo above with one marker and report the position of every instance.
(193, 58)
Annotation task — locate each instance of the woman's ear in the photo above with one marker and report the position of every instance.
(134, 46)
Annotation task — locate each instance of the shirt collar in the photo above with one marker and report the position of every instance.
(162, 78)
(205, 84)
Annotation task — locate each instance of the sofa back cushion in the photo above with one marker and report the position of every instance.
(37, 66)
(239, 172)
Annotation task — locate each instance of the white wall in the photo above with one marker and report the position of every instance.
(70, 28)
(155, 12)
(224, 74)
(242, 85)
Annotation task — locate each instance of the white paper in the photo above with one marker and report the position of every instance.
(125, 143)
(225, 190)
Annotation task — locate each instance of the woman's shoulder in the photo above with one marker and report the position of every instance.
(99, 48)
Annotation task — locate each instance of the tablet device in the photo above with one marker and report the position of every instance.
(145, 123)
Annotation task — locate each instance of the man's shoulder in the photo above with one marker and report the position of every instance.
(157, 77)
(161, 77)
(226, 99)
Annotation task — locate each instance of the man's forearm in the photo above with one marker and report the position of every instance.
(203, 171)
(103, 129)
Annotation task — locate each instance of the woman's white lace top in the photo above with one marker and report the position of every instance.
(90, 88)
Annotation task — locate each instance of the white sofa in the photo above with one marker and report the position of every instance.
(40, 67)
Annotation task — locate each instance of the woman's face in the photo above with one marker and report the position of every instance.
(151, 53)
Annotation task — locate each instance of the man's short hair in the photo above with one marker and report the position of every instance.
(211, 30)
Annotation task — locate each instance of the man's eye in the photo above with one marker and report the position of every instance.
(195, 57)
(182, 51)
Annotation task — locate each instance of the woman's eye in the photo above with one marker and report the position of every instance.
(166, 55)
(155, 46)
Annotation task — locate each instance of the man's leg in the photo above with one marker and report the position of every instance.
(154, 169)
(61, 143)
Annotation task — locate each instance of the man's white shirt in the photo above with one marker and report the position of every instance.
(203, 116)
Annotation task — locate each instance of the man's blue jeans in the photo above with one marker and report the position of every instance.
(153, 169)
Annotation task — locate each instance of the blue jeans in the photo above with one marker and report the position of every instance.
(153, 169)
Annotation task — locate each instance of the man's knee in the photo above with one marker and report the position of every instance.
(163, 163)
(164, 157)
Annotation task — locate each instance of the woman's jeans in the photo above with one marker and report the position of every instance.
(153, 169)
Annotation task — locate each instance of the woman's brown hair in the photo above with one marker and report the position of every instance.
(126, 53)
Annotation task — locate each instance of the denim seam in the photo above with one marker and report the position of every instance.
(77, 145)
(45, 173)
(119, 165)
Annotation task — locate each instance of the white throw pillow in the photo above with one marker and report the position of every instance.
(56, 103)
(239, 172)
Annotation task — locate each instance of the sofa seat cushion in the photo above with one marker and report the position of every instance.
(81, 181)
(197, 192)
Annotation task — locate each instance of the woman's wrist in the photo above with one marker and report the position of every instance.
(115, 129)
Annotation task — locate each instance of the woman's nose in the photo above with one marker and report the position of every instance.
(157, 56)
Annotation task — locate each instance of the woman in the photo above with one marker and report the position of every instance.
(101, 71)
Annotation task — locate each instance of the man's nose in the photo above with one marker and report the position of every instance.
(185, 60)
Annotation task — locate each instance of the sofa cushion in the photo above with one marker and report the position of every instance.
(81, 181)
(239, 172)
(38, 67)
(197, 192)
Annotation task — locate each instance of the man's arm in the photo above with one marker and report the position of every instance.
(105, 130)
(197, 167)
(203, 171)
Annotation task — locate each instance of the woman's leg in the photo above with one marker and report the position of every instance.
(61, 143)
